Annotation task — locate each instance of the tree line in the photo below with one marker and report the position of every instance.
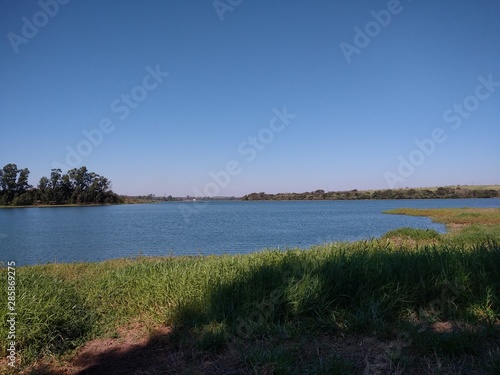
(439, 193)
(76, 186)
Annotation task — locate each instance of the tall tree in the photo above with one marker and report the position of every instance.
(56, 195)
(81, 177)
(9, 177)
(55, 178)
(66, 187)
(22, 181)
(43, 193)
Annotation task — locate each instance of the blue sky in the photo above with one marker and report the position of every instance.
(361, 82)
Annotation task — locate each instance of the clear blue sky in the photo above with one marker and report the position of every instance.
(230, 69)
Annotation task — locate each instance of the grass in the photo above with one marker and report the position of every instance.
(273, 304)
(465, 216)
(412, 234)
(466, 226)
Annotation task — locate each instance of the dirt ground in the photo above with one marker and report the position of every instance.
(142, 351)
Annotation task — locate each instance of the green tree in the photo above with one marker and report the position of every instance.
(8, 183)
(76, 186)
(22, 181)
(81, 178)
(9, 177)
(67, 187)
(43, 193)
(56, 195)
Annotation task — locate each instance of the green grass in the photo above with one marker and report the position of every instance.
(215, 302)
(412, 234)
(466, 216)
(466, 226)
(52, 315)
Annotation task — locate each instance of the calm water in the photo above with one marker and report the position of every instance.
(69, 234)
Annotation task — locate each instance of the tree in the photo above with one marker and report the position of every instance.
(76, 186)
(81, 177)
(55, 193)
(55, 178)
(43, 192)
(67, 187)
(22, 181)
(9, 177)
(8, 183)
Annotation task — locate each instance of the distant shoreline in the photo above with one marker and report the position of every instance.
(62, 205)
(201, 200)
(447, 192)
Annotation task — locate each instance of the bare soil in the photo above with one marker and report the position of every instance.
(142, 351)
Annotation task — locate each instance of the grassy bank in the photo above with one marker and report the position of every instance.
(466, 226)
(411, 302)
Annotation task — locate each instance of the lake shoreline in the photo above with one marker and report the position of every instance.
(62, 205)
(218, 227)
(232, 200)
(396, 295)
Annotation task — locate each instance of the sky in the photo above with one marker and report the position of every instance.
(230, 97)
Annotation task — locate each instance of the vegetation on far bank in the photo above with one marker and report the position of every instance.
(76, 187)
(80, 187)
(491, 191)
(428, 306)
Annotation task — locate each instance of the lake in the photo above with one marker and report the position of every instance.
(74, 234)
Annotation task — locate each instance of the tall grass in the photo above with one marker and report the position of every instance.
(52, 315)
(359, 287)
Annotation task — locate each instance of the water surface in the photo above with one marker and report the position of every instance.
(70, 234)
